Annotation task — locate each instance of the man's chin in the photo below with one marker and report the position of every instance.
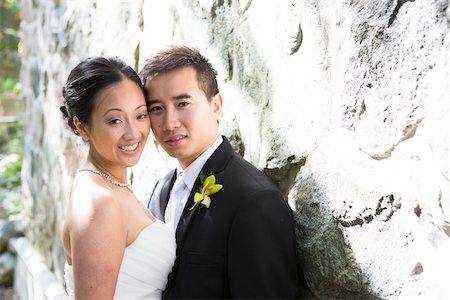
(173, 153)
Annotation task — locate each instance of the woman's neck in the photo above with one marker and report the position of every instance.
(118, 173)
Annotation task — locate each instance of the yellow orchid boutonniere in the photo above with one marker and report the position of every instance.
(209, 187)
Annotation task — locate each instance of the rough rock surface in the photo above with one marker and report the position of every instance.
(344, 104)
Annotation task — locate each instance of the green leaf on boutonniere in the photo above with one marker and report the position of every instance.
(202, 177)
(209, 187)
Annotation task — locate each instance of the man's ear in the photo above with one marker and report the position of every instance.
(216, 105)
(81, 128)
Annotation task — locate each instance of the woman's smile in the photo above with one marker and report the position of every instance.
(130, 147)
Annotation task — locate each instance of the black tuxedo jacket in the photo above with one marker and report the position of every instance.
(242, 246)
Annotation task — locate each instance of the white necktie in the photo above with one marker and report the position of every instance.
(176, 204)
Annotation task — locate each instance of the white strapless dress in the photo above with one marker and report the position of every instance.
(145, 266)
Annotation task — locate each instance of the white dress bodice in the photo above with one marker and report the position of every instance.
(145, 267)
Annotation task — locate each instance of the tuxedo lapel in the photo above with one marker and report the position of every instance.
(213, 166)
(160, 196)
(186, 216)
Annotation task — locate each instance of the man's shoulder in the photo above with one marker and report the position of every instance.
(163, 181)
(250, 189)
(248, 176)
(169, 176)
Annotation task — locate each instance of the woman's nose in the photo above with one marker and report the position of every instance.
(132, 131)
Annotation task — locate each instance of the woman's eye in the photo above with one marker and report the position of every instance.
(115, 121)
(142, 116)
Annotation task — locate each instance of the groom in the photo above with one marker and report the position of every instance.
(235, 238)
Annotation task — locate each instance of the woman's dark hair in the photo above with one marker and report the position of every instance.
(86, 80)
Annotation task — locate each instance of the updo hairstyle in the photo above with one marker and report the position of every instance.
(86, 80)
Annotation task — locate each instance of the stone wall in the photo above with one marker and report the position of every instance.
(344, 104)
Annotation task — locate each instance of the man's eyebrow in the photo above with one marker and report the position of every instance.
(174, 98)
(182, 96)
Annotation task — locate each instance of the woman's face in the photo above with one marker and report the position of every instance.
(119, 125)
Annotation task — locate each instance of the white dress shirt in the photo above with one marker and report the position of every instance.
(183, 186)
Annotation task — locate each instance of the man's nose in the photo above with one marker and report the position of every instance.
(171, 120)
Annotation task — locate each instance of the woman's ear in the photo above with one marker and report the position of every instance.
(81, 128)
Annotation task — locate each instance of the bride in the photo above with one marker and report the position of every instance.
(114, 246)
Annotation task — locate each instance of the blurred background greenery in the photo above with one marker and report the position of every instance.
(11, 109)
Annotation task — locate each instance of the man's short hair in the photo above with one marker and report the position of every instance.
(176, 57)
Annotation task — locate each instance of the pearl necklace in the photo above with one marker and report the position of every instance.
(115, 182)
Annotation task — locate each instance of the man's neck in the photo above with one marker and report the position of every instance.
(184, 165)
(193, 169)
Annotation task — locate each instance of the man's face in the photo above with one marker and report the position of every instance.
(183, 121)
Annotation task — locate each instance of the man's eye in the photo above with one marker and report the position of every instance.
(183, 104)
(155, 108)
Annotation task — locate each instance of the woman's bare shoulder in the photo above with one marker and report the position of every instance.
(92, 202)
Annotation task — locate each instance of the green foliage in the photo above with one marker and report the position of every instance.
(11, 133)
(10, 175)
(9, 85)
(10, 45)
(9, 39)
(11, 140)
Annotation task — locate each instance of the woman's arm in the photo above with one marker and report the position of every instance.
(98, 241)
